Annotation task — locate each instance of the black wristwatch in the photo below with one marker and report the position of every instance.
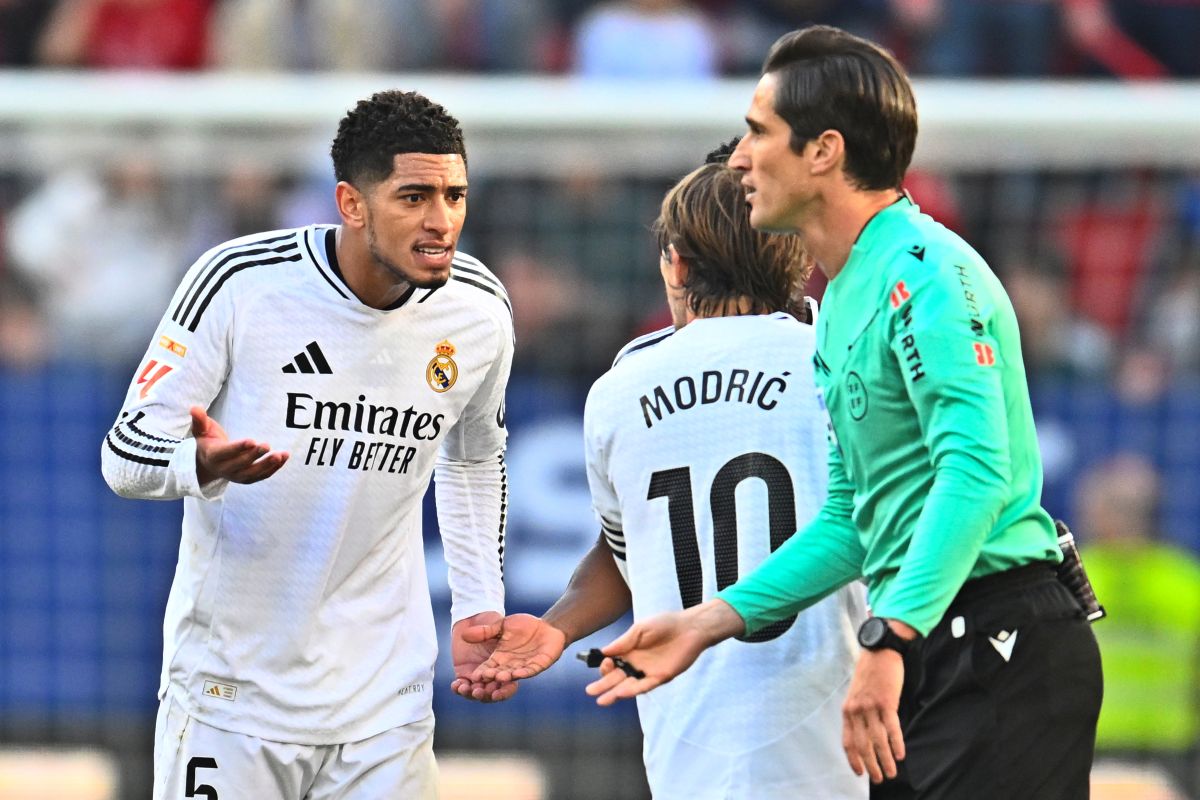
(876, 634)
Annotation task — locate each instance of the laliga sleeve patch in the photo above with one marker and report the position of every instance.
(151, 374)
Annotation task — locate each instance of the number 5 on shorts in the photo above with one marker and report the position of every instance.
(203, 790)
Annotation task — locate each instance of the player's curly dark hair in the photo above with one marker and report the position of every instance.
(721, 154)
(387, 123)
(704, 217)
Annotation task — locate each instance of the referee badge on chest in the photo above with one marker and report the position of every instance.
(442, 372)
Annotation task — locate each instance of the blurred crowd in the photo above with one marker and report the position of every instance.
(652, 38)
(1119, 258)
(1103, 267)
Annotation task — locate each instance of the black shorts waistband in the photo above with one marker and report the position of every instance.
(1010, 580)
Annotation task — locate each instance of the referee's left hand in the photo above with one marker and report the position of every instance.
(870, 721)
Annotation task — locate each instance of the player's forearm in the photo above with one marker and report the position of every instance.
(149, 452)
(595, 597)
(471, 501)
(140, 465)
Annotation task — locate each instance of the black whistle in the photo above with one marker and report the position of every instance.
(594, 657)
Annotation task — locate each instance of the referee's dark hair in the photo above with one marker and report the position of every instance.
(705, 218)
(828, 79)
(386, 124)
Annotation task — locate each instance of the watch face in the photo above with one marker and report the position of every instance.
(872, 632)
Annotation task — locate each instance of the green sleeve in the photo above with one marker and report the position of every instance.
(958, 398)
(823, 556)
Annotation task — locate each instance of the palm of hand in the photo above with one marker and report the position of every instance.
(527, 646)
(661, 654)
(469, 655)
(661, 648)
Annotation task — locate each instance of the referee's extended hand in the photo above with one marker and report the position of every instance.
(243, 461)
(870, 720)
(662, 647)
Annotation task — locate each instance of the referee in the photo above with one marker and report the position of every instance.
(979, 676)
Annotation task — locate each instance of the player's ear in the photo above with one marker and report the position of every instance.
(826, 152)
(676, 269)
(351, 204)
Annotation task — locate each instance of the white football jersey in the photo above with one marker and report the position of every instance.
(706, 450)
(300, 608)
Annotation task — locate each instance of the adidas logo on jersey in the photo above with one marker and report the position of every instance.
(224, 691)
(382, 357)
(310, 361)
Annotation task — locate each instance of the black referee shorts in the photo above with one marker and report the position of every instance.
(1001, 699)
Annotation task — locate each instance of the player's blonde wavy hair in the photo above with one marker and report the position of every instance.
(706, 219)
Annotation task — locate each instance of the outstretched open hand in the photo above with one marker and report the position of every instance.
(242, 461)
(527, 646)
(662, 647)
(472, 641)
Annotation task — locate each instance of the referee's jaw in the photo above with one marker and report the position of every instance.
(761, 218)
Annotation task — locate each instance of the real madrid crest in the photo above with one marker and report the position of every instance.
(442, 372)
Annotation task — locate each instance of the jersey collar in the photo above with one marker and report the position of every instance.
(853, 295)
(877, 232)
(330, 246)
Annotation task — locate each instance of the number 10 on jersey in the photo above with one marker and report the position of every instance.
(676, 485)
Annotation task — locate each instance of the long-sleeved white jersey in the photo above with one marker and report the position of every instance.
(300, 608)
(705, 452)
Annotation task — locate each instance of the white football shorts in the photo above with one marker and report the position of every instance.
(195, 760)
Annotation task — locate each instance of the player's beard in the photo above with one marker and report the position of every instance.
(396, 270)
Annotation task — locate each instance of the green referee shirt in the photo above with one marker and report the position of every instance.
(934, 471)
